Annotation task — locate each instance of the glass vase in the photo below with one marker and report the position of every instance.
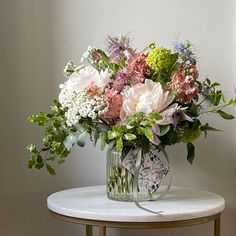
(121, 183)
(124, 185)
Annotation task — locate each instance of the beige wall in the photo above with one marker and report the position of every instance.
(37, 38)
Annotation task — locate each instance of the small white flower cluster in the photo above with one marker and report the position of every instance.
(80, 106)
(87, 53)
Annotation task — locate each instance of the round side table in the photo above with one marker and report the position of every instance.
(91, 207)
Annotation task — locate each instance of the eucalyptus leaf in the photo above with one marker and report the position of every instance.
(102, 127)
(70, 141)
(95, 137)
(103, 138)
(81, 139)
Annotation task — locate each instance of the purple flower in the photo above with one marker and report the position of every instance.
(174, 114)
(179, 47)
(117, 46)
(184, 49)
(180, 115)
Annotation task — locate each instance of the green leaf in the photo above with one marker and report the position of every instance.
(39, 165)
(102, 127)
(155, 116)
(50, 169)
(113, 134)
(39, 159)
(52, 158)
(135, 119)
(32, 148)
(147, 123)
(95, 137)
(232, 102)
(81, 139)
(215, 84)
(31, 163)
(217, 98)
(103, 138)
(69, 69)
(191, 152)
(225, 115)
(119, 144)
(146, 132)
(55, 145)
(55, 107)
(130, 136)
(70, 141)
(40, 119)
(60, 161)
(164, 129)
(145, 145)
(206, 128)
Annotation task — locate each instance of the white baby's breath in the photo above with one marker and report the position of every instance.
(80, 106)
(87, 53)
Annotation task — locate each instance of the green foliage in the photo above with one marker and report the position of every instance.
(130, 136)
(140, 129)
(50, 169)
(191, 152)
(70, 68)
(55, 134)
(190, 131)
(81, 139)
(205, 128)
(225, 115)
(137, 131)
(39, 119)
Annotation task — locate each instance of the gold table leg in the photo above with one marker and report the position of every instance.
(89, 230)
(217, 227)
(102, 231)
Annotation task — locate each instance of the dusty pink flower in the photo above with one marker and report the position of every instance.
(136, 63)
(96, 54)
(193, 71)
(184, 85)
(93, 90)
(115, 102)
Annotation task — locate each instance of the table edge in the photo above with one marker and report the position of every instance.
(137, 225)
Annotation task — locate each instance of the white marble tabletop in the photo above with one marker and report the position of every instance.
(92, 203)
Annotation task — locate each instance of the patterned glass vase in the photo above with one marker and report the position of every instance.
(122, 182)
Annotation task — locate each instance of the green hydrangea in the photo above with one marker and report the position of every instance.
(161, 59)
(190, 135)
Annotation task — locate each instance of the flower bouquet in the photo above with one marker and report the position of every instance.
(137, 102)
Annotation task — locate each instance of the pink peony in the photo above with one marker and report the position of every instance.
(147, 97)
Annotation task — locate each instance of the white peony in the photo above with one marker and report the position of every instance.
(78, 81)
(147, 97)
